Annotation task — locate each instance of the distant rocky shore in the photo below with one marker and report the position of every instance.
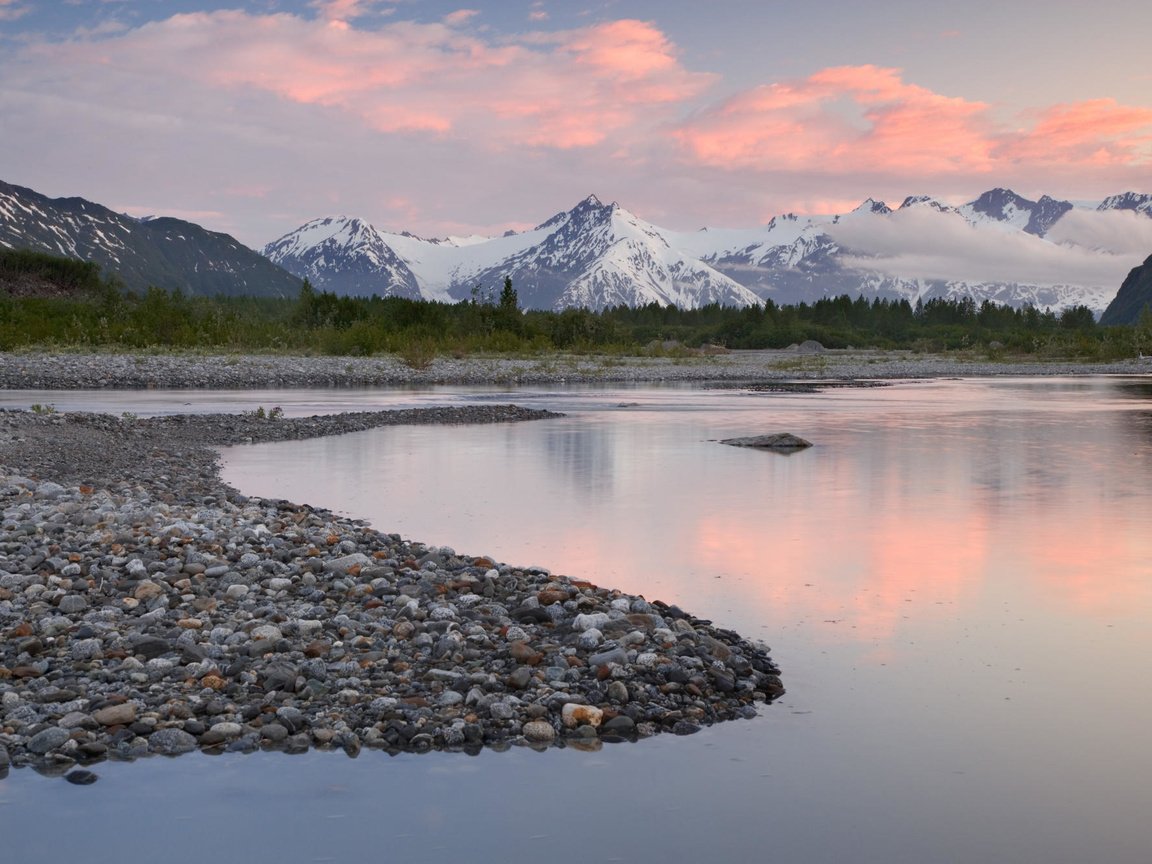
(37, 371)
(147, 608)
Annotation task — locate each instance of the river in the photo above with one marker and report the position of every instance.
(956, 581)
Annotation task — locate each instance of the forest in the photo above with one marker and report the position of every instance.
(87, 311)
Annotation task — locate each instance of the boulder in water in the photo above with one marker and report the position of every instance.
(776, 441)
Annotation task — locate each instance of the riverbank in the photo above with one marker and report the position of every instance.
(148, 608)
(67, 371)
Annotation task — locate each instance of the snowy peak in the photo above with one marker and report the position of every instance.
(914, 201)
(344, 255)
(588, 212)
(598, 255)
(1005, 206)
(1002, 205)
(1134, 201)
(868, 205)
(1046, 213)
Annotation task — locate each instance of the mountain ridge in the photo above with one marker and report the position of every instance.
(160, 251)
(597, 255)
(1001, 246)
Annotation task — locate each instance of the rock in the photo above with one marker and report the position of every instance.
(519, 678)
(70, 604)
(221, 732)
(524, 653)
(348, 564)
(538, 731)
(783, 441)
(621, 724)
(150, 647)
(171, 742)
(588, 621)
(573, 715)
(81, 777)
(268, 632)
(613, 655)
(48, 740)
(115, 715)
(273, 732)
(147, 590)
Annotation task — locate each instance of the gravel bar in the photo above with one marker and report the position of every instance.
(36, 371)
(148, 608)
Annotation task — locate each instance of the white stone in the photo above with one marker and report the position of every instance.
(586, 621)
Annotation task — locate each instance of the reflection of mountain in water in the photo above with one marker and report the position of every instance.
(585, 456)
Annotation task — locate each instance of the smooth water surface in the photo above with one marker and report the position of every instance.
(956, 581)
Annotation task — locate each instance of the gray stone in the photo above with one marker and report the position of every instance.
(171, 741)
(538, 731)
(48, 740)
(783, 441)
(70, 604)
(613, 655)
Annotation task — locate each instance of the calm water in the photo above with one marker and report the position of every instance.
(956, 581)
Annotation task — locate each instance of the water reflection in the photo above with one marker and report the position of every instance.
(955, 580)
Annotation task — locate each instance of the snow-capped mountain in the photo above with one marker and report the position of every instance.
(595, 255)
(1001, 247)
(161, 251)
(1008, 208)
(1133, 201)
(344, 256)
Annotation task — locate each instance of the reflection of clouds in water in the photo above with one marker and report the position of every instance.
(948, 490)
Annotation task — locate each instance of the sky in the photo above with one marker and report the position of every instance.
(474, 118)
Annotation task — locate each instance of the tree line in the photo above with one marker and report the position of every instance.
(98, 314)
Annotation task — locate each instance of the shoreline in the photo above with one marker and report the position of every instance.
(148, 608)
(74, 371)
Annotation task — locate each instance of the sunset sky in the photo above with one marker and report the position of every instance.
(441, 118)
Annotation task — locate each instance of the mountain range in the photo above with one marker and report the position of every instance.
(1001, 247)
(164, 252)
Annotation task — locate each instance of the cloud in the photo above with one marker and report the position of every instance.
(575, 88)
(460, 16)
(10, 10)
(923, 243)
(343, 10)
(1120, 232)
(866, 120)
(1094, 132)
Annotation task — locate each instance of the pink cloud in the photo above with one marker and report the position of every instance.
(569, 89)
(460, 16)
(868, 120)
(1097, 131)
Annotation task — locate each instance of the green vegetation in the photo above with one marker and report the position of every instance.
(67, 274)
(318, 322)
